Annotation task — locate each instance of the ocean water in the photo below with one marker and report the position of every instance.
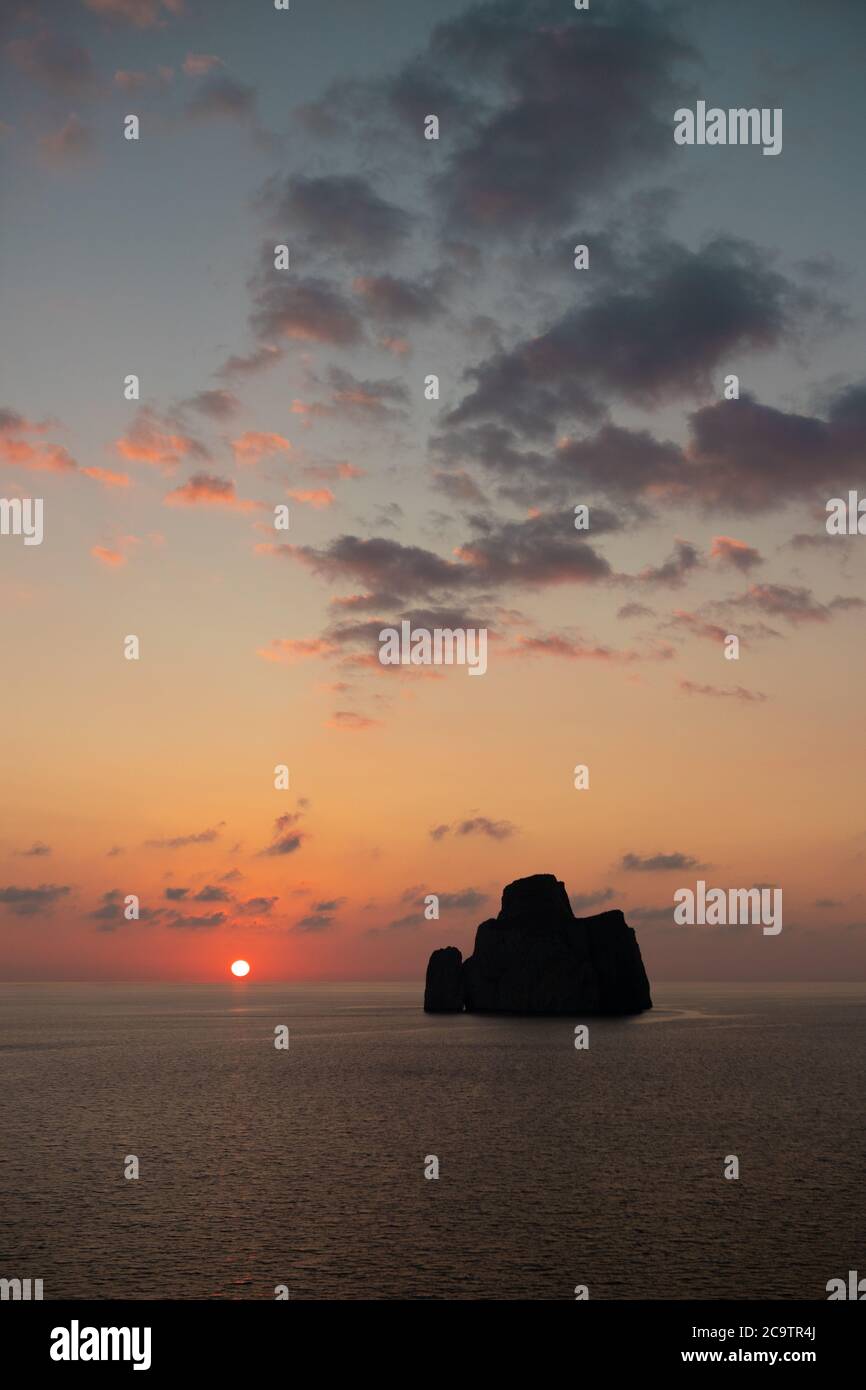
(557, 1167)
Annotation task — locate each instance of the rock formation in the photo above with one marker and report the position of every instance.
(536, 957)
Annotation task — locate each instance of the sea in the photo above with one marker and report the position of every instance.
(308, 1171)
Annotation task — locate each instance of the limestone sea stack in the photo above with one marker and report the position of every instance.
(536, 957)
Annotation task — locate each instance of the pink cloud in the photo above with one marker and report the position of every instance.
(314, 497)
(286, 650)
(205, 490)
(254, 445)
(112, 558)
(148, 441)
(106, 477)
(200, 64)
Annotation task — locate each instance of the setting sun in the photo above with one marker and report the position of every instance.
(240, 967)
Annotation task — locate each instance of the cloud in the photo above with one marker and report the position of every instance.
(219, 405)
(254, 445)
(796, 605)
(697, 626)
(211, 894)
(658, 863)
(341, 213)
(393, 300)
(35, 457)
(542, 132)
(635, 610)
(284, 839)
(305, 309)
(140, 14)
(349, 720)
(27, 902)
(476, 825)
(200, 64)
(580, 901)
(60, 65)
(317, 497)
(201, 837)
(751, 457)
(205, 923)
(111, 912)
(256, 907)
(129, 80)
(537, 552)
(684, 559)
(314, 922)
(287, 650)
(221, 97)
(73, 144)
(113, 559)
(176, 894)
(153, 440)
(257, 361)
(658, 330)
(737, 692)
(206, 490)
(735, 553)
(106, 477)
(464, 900)
(359, 400)
(36, 851)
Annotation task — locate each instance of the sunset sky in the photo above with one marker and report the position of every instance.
(411, 257)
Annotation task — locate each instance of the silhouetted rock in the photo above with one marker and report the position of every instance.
(536, 957)
(443, 992)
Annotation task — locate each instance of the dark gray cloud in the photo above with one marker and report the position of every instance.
(659, 330)
(658, 863)
(464, 900)
(211, 894)
(219, 405)
(393, 300)
(476, 825)
(537, 552)
(256, 907)
(549, 129)
(314, 922)
(305, 309)
(753, 457)
(337, 213)
(794, 604)
(27, 902)
(205, 923)
(201, 837)
(285, 840)
(58, 64)
(581, 901)
(680, 564)
(221, 97)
